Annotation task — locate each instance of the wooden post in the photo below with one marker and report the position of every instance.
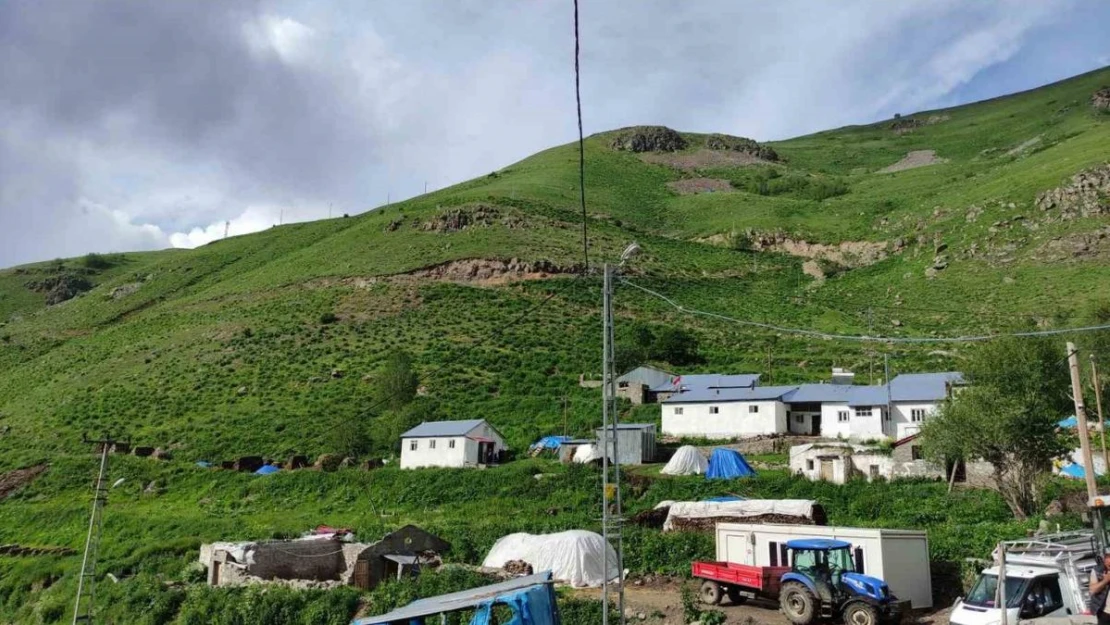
(1098, 409)
(1081, 421)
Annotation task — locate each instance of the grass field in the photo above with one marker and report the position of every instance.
(231, 349)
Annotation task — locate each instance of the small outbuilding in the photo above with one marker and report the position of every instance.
(467, 443)
(638, 385)
(635, 442)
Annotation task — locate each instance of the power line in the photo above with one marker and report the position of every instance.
(581, 144)
(861, 338)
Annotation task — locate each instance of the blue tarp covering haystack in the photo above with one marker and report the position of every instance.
(549, 442)
(267, 470)
(727, 464)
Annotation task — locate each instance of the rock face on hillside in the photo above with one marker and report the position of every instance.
(1101, 99)
(846, 254)
(648, 139)
(729, 143)
(903, 125)
(463, 217)
(1087, 195)
(61, 287)
(487, 270)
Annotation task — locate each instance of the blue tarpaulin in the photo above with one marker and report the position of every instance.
(267, 470)
(204, 464)
(1071, 423)
(726, 464)
(1074, 470)
(550, 442)
(534, 606)
(724, 499)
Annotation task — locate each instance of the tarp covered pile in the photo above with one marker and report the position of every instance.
(687, 460)
(549, 443)
(726, 464)
(573, 557)
(587, 453)
(704, 515)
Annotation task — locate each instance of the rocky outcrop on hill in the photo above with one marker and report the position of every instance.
(648, 139)
(1101, 99)
(61, 287)
(1087, 195)
(903, 125)
(487, 270)
(468, 216)
(846, 253)
(1077, 246)
(729, 143)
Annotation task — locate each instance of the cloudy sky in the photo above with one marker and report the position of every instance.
(132, 124)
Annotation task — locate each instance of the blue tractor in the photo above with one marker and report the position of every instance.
(823, 584)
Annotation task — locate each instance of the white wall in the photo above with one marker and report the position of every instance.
(857, 427)
(733, 420)
(465, 452)
(902, 425)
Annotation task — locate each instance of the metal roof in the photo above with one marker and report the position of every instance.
(443, 428)
(696, 381)
(647, 375)
(923, 386)
(456, 600)
(632, 426)
(851, 394)
(817, 543)
(759, 393)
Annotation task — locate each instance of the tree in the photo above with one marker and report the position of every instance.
(1018, 390)
(674, 346)
(396, 385)
(349, 436)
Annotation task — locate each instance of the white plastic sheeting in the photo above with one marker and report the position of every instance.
(573, 557)
(736, 509)
(686, 461)
(587, 453)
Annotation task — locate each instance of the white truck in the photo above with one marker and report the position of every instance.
(1046, 577)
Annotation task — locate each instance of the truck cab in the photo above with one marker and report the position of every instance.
(1045, 577)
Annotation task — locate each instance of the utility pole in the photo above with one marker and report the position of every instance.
(425, 187)
(871, 352)
(281, 217)
(1081, 421)
(227, 226)
(1098, 409)
(85, 603)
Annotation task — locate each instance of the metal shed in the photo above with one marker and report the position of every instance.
(635, 442)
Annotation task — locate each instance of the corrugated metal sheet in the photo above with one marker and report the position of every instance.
(443, 428)
(759, 393)
(924, 386)
(695, 381)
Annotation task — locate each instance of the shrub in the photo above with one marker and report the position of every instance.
(328, 318)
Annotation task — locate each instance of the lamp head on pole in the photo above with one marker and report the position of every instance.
(632, 250)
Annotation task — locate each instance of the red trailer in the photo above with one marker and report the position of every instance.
(729, 579)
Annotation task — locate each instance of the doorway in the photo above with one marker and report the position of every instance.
(815, 421)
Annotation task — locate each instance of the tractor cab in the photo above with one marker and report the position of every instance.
(823, 583)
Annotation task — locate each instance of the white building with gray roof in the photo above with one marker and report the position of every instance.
(453, 444)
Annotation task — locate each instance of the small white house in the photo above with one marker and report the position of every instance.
(839, 411)
(726, 412)
(916, 396)
(838, 462)
(451, 444)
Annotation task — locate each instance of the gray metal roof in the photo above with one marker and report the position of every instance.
(924, 386)
(649, 376)
(456, 600)
(851, 394)
(443, 428)
(696, 381)
(632, 426)
(759, 393)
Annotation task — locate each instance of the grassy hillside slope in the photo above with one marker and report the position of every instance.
(265, 344)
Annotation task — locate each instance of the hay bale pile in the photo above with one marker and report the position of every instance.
(710, 524)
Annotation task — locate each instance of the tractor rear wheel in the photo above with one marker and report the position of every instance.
(798, 603)
(734, 596)
(711, 592)
(860, 613)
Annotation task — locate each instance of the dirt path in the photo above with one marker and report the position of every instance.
(660, 603)
(916, 158)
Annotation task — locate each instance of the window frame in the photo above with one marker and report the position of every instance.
(843, 416)
(414, 444)
(678, 411)
(865, 411)
(917, 415)
(714, 410)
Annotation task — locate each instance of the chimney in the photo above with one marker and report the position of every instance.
(842, 376)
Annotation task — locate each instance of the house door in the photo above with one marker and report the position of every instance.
(361, 578)
(484, 452)
(827, 470)
(815, 420)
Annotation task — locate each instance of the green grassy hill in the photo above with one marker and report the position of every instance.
(265, 344)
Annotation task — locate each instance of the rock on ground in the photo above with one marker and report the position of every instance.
(914, 159)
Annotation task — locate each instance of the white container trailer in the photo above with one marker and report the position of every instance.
(898, 557)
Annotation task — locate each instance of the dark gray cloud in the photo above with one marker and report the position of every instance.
(140, 124)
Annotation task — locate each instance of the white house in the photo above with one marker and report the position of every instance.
(915, 396)
(451, 444)
(839, 411)
(726, 412)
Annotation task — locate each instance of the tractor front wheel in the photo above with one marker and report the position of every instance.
(798, 603)
(860, 613)
(711, 592)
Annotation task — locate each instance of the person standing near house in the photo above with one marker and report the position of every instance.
(1100, 587)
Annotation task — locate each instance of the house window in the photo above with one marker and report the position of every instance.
(714, 410)
(451, 444)
(412, 445)
(842, 416)
(915, 453)
(809, 465)
(432, 444)
(799, 418)
(678, 410)
(917, 415)
(753, 408)
(863, 412)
